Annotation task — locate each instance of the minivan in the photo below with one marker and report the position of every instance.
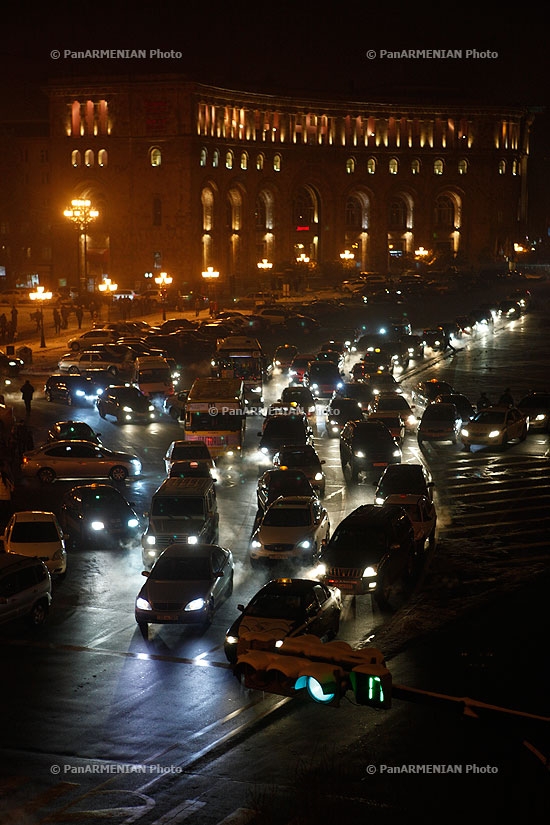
(183, 511)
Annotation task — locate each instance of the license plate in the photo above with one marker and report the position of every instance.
(164, 617)
(379, 464)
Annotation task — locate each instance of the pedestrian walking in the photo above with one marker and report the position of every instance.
(197, 307)
(6, 490)
(14, 316)
(79, 312)
(57, 321)
(64, 317)
(506, 398)
(27, 392)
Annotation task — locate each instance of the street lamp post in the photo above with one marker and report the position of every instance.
(40, 296)
(210, 277)
(107, 287)
(81, 213)
(163, 280)
(264, 266)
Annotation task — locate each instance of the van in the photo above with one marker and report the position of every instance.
(183, 511)
(153, 375)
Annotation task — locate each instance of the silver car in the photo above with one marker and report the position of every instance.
(67, 459)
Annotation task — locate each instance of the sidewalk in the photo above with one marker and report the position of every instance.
(45, 359)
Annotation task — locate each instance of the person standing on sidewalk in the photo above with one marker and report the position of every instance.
(57, 321)
(27, 392)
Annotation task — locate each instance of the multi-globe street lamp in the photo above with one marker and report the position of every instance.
(40, 296)
(82, 213)
(107, 287)
(210, 278)
(163, 281)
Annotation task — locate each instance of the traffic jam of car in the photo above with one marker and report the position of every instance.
(348, 390)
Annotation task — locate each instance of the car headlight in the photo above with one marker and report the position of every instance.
(264, 450)
(464, 433)
(97, 525)
(231, 640)
(540, 417)
(151, 539)
(135, 462)
(142, 604)
(192, 539)
(359, 454)
(305, 544)
(379, 500)
(127, 409)
(195, 604)
(396, 453)
(412, 420)
(80, 393)
(318, 476)
(133, 522)
(255, 544)
(320, 571)
(494, 434)
(151, 408)
(370, 572)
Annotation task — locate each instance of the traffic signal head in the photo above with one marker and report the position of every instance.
(325, 671)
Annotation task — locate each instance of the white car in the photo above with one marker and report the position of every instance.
(422, 513)
(37, 534)
(292, 529)
(93, 336)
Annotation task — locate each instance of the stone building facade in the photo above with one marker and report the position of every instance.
(186, 176)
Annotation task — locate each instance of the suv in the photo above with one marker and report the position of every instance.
(371, 551)
(284, 429)
(404, 479)
(439, 422)
(25, 589)
(366, 445)
(74, 389)
(183, 511)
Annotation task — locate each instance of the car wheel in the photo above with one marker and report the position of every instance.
(101, 412)
(118, 473)
(48, 396)
(46, 475)
(38, 614)
(523, 435)
(143, 629)
(112, 370)
(73, 370)
(75, 346)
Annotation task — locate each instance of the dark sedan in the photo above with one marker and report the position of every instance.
(127, 405)
(73, 429)
(186, 585)
(286, 607)
(275, 483)
(92, 512)
(536, 405)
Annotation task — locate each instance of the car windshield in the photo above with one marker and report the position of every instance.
(190, 451)
(297, 458)
(75, 431)
(183, 569)
(287, 517)
(351, 546)
(285, 426)
(30, 532)
(276, 606)
(490, 418)
(289, 484)
(178, 507)
(438, 412)
(397, 403)
(104, 502)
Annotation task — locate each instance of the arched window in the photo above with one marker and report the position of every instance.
(462, 167)
(215, 159)
(204, 157)
(371, 166)
(502, 167)
(515, 167)
(75, 158)
(244, 161)
(398, 214)
(354, 213)
(229, 160)
(89, 157)
(438, 166)
(415, 166)
(444, 217)
(155, 156)
(350, 166)
(102, 158)
(277, 163)
(260, 160)
(393, 166)
(157, 212)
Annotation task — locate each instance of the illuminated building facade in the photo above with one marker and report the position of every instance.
(186, 176)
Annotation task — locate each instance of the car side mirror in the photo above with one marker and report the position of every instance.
(240, 607)
(323, 461)
(145, 573)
